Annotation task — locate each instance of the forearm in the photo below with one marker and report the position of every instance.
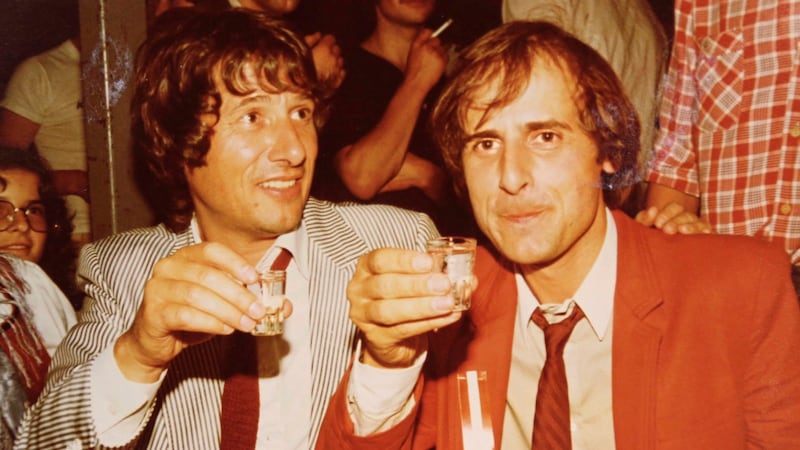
(62, 414)
(338, 430)
(417, 172)
(380, 398)
(94, 405)
(16, 131)
(371, 162)
(71, 182)
(660, 196)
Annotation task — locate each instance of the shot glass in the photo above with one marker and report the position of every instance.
(455, 256)
(273, 291)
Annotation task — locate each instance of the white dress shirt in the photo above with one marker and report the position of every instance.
(120, 406)
(587, 359)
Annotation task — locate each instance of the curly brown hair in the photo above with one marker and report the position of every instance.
(506, 55)
(186, 49)
(59, 254)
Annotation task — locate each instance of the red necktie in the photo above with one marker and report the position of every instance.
(551, 423)
(240, 400)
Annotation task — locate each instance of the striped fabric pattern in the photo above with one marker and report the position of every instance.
(730, 116)
(185, 414)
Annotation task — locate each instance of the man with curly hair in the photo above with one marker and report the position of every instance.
(225, 114)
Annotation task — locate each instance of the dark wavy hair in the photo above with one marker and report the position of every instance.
(186, 49)
(506, 55)
(58, 257)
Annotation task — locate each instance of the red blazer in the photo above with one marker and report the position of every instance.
(705, 350)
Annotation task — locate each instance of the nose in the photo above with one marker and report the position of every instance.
(290, 145)
(19, 222)
(515, 170)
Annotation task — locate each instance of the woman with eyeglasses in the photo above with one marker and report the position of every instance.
(34, 223)
(34, 313)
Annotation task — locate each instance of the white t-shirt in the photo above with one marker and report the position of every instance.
(46, 89)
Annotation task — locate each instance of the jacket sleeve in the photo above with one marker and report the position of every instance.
(62, 416)
(772, 377)
(337, 429)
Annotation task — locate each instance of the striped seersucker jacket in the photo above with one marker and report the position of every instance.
(186, 413)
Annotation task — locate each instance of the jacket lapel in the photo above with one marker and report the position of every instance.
(492, 321)
(636, 340)
(334, 249)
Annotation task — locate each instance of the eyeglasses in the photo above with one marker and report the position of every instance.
(34, 213)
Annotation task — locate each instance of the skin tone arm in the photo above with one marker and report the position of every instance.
(395, 301)
(369, 164)
(327, 58)
(19, 132)
(420, 173)
(193, 295)
(16, 131)
(672, 211)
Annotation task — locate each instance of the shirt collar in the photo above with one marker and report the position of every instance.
(595, 295)
(295, 241)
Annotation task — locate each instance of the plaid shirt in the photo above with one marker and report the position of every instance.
(730, 116)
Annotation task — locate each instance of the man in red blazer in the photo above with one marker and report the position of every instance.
(681, 342)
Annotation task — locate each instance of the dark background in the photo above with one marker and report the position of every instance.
(28, 27)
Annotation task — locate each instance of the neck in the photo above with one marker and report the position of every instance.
(250, 248)
(558, 280)
(391, 41)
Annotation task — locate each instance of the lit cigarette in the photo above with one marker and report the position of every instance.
(441, 28)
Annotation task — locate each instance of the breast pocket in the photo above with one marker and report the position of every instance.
(719, 74)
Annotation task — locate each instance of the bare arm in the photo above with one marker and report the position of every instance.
(367, 165)
(16, 131)
(660, 196)
(421, 173)
(327, 58)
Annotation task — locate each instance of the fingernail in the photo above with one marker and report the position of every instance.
(246, 323)
(422, 263)
(248, 275)
(443, 304)
(438, 283)
(256, 309)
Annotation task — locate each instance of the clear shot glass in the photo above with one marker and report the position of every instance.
(273, 293)
(455, 256)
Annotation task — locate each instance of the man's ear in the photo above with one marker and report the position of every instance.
(608, 167)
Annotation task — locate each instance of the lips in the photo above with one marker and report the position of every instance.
(520, 213)
(16, 249)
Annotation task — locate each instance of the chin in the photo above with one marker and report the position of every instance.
(21, 254)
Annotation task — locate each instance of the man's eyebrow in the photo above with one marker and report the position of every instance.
(257, 98)
(262, 97)
(529, 126)
(547, 124)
